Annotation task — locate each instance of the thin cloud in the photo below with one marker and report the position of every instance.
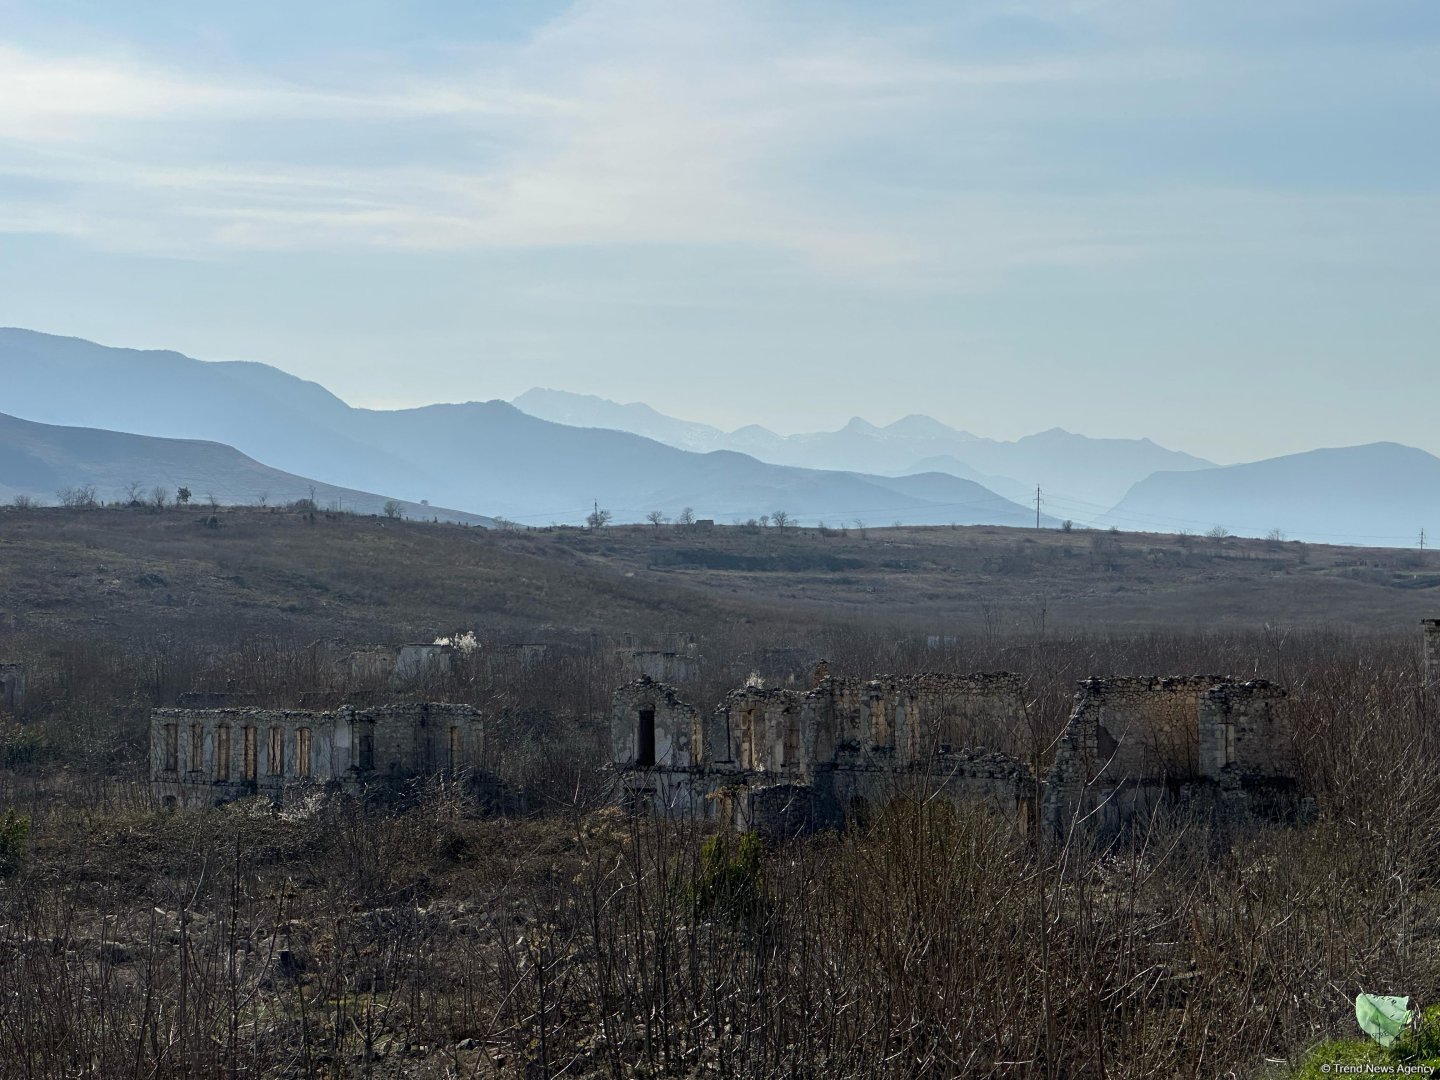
(623, 122)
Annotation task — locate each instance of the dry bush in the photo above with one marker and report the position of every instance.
(332, 938)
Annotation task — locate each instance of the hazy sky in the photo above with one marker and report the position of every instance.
(1214, 223)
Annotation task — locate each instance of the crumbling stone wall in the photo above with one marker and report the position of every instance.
(972, 776)
(419, 662)
(1244, 734)
(811, 756)
(665, 666)
(1148, 726)
(765, 730)
(782, 759)
(206, 756)
(658, 748)
(1134, 744)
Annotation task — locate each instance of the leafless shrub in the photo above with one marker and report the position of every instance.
(81, 497)
(337, 937)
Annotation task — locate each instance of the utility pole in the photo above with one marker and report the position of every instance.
(1037, 506)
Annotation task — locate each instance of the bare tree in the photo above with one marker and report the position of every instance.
(598, 518)
(656, 518)
(134, 493)
(81, 497)
(263, 499)
(158, 497)
(212, 500)
(780, 518)
(25, 502)
(393, 508)
(687, 516)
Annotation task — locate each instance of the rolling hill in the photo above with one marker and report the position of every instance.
(41, 461)
(1380, 493)
(483, 457)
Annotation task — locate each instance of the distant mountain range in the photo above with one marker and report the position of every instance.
(550, 456)
(1380, 494)
(482, 457)
(1085, 476)
(44, 460)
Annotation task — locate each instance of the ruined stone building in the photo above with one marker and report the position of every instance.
(791, 760)
(663, 665)
(400, 665)
(200, 757)
(1132, 745)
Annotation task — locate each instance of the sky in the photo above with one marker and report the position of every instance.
(1213, 224)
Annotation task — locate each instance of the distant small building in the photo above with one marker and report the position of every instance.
(421, 661)
(664, 665)
(400, 665)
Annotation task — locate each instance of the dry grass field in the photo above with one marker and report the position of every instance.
(421, 937)
(132, 571)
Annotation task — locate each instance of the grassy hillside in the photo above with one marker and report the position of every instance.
(127, 572)
(423, 938)
(44, 462)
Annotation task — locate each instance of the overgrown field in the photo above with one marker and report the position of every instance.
(128, 573)
(418, 938)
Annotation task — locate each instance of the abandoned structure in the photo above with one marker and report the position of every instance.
(663, 665)
(782, 760)
(1132, 745)
(12, 688)
(785, 761)
(200, 757)
(400, 665)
